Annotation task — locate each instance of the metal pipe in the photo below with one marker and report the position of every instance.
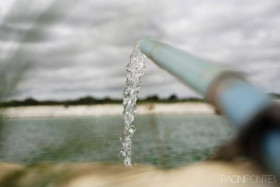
(251, 111)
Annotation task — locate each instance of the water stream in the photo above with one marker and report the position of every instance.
(135, 69)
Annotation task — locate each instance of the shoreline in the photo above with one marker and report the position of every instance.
(187, 108)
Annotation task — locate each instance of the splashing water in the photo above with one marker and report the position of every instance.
(134, 69)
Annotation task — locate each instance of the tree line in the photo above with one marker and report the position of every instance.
(88, 100)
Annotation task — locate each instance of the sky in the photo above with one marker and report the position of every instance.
(80, 48)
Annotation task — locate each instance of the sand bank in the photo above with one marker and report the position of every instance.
(107, 110)
(209, 173)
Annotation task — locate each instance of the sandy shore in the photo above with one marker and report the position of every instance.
(209, 173)
(106, 110)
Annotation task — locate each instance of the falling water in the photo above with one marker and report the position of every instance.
(134, 69)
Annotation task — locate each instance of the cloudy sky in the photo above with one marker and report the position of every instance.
(79, 48)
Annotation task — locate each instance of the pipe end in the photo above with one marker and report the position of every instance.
(147, 45)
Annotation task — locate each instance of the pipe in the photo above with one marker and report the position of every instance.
(200, 73)
(254, 114)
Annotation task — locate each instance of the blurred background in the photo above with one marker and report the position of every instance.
(57, 50)
(80, 48)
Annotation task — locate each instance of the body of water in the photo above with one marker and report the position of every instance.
(164, 141)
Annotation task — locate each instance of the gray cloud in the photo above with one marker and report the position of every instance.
(80, 48)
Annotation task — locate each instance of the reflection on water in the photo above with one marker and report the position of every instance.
(165, 141)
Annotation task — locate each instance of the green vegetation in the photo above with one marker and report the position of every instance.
(92, 101)
(275, 95)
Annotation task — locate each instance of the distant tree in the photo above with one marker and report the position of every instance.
(86, 100)
(152, 98)
(194, 99)
(30, 101)
(107, 100)
(275, 95)
(173, 97)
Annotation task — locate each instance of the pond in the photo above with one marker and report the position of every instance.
(165, 141)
